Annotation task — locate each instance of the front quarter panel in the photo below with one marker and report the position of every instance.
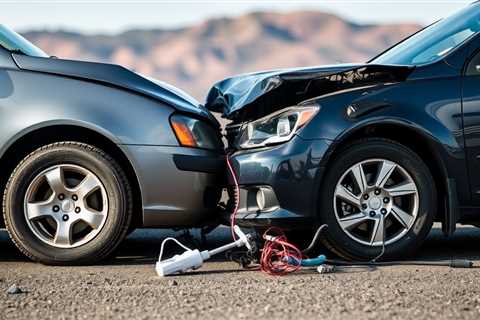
(431, 107)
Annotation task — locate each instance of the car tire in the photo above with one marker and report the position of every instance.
(405, 204)
(67, 203)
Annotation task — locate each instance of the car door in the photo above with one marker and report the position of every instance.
(471, 118)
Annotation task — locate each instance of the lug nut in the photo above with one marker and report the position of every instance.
(383, 211)
(74, 197)
(372, 214)
(65, 217)
(386, 200)
(364, 206)
(77, 210)
(61, 196)
(377, 192)
(365, 197)
(56, 208)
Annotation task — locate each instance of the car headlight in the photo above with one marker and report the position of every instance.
(194, 133)
(277, 127)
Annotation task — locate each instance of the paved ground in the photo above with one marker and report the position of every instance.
(127, 287)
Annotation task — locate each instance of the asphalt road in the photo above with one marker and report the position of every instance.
(126, 287)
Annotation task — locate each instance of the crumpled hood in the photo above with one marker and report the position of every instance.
(117, 76)
(283, 88)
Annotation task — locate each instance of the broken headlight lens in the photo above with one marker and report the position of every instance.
(276, 128)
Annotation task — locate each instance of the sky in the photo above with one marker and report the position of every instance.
(108, 16)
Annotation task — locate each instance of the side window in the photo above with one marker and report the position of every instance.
(473, 67)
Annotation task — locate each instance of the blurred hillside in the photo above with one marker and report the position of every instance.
(193, 58)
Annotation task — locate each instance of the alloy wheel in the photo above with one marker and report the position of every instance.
(376, 202)
(66, 206)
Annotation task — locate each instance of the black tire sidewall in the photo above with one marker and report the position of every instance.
(338, 240)
(88, 158)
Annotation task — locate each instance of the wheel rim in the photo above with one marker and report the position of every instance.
(66, 206)
(375, 202)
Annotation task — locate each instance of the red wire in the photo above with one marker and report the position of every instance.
(237, 197)
(279, 257)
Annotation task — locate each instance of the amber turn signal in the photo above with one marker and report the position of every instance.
(183, 133)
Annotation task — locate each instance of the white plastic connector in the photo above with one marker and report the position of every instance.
(193, 259)
(244, 239)
(270, 238)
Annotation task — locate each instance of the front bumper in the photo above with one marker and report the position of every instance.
(180, 186)
(288, 177)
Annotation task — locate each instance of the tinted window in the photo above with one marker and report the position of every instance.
(435, 41)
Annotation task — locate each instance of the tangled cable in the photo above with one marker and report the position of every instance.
(279, 257)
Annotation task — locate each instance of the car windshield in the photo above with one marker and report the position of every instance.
(435, 41)
(14, 42)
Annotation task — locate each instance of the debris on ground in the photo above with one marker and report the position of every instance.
(14, 289)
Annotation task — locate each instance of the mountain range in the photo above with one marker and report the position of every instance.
(194, 57)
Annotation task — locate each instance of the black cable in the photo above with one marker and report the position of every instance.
(315, 240)
(454, 263)
(383, 242)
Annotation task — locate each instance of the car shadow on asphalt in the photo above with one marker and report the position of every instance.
(143, 246)
(8, 251)
(140, 247)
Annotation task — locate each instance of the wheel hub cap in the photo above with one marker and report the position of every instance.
(375, 203)
(68, 206)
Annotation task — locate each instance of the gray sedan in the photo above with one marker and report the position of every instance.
(91, 151)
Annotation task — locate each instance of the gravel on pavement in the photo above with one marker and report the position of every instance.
(127, 287)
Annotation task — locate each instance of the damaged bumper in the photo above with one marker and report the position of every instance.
(278, 184)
